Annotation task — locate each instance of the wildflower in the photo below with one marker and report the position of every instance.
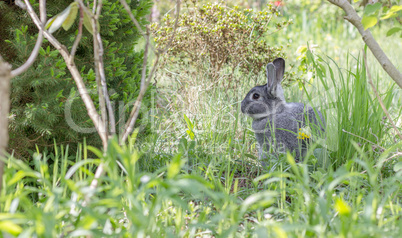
(304, 133)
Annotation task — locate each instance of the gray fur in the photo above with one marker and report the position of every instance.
(276, 123)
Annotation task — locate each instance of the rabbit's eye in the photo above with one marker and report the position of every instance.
(256, 96)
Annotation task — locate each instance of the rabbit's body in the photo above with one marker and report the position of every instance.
(281, 130)
(276, 123)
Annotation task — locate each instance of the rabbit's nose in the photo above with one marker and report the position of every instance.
(242, 107)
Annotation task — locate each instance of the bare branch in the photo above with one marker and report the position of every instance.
(145, 62)
(98, 53)
(136, 109)
(350, 133)
(93, 114)
(379, 98)
(176, 23)
(94, 7)
(101, 68)
(127, 7)
(38, 44)
(20, 4)
(144, 84)
(79, 35)
(386, 160)
(160, 51)
(102, 87)
(378, 53)
(5, 78)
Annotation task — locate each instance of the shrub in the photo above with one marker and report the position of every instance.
(222, 37)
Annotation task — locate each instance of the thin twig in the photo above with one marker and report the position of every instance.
(99, 76)
(145, 61)
(112, 120)
(379, 98)
(35, 51)
(393, 156)
(102, 87)
(79, 35)
(176, 23)
(379, 146)
(129, 126)
(136, 109)
(128, 10)
(20, 4)
(94, 7)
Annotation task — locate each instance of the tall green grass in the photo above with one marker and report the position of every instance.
(355, 117)
(174, 201)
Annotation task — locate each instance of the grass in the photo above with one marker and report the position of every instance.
(197, 175)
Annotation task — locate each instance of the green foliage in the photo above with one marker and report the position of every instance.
(351, 109)
(41, 97)
(173, 201)
(373, 13)
(213, 37)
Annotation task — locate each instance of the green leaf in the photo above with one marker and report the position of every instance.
(88, 21)
(42, 51)
(175, 166)
(68, 22)
(20, 175)
(77, 165)
(372, 8)
(392, 12)
(10, 227)
(393, 30)
(369, 22)
(54, 23)
(388, 15)
(342, 207)
(190, 127)
(395, 8)
(398, 166)
(310, 57)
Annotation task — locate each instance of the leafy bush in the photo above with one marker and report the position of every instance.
(213, 37)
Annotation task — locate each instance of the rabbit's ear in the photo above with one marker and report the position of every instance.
(279, 64)
(271, 76)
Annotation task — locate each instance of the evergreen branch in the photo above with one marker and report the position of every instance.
(38, 44)
(93, 114)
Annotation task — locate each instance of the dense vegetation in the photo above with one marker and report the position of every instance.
(43, 96)
(195, 172)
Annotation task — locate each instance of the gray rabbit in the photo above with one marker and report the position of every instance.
(276, 123)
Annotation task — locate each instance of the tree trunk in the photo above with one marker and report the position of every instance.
(5, 78)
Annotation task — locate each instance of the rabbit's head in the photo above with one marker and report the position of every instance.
(263, 101)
